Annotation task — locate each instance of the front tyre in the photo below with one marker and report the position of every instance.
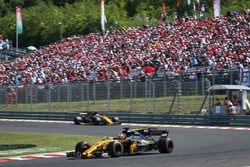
(81, 147)
(116, 119)
(165, 145)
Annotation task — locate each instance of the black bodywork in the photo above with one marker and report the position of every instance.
(95, 119)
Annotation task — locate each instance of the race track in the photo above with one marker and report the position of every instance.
(193, 147)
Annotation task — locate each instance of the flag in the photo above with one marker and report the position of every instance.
(216, 4)
(195, 16)
(103, 17)
(163, 8)
(178, 2)
(19, 24)
(163, 13)
(202, 10)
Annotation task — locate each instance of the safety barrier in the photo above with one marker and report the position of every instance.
(236, 120)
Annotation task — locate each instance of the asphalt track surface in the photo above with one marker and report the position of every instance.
(193, 147)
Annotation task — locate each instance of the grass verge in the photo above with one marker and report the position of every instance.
(140, 105)
(15, 143)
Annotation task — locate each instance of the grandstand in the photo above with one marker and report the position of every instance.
(186, 46)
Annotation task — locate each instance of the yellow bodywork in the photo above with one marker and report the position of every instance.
(101, 145)
(132, 148)
(107, 120)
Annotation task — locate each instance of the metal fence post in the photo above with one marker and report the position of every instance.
(82, 91)
(31, 98)
(49, 98)
(108, 95)
(153, 96)
(213, 76)
(58, 93)
(26, 94)
(94, 91)
(68, 97)
(36, 93)
(16, 89)
(202, 84)
(179, 93)
(131, 98)
(165, 86)
(88, 96)
(196, 86)
(135, 89)
(121, 88)
(231, 76)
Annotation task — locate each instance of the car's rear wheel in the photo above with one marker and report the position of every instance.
(115, 148)
(81, 147)
(165, 145)
(77, 120)
(97, 120)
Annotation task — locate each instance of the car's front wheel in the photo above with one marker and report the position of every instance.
(81, 147)
(115, 119)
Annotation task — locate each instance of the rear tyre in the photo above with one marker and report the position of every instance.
(77, 120)
(115, 148)
(81, 147)
(165, 145)
(97, 120)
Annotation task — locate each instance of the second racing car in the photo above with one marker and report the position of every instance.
(129, 142)
(95, 119)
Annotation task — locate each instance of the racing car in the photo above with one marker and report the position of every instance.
(129, 142)
(95, 119)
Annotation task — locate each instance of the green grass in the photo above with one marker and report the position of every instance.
(189, 105)
(15, 143)
(145, 105)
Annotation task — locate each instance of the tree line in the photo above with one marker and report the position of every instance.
(47, 21)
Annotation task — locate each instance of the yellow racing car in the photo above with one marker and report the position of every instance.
(95, 118)
(129, 142)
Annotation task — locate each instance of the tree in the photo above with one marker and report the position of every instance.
(44, 21)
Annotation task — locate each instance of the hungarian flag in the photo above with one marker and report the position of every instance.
(19, 24)
(178, 2)
(103, 17)
(163, 14)
(195, 15)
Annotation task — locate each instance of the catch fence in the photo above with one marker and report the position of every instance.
(168, 94)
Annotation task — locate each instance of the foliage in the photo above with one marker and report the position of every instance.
(45, 21)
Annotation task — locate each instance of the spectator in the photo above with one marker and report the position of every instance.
(217, 102)
(213, 44)
(235, 100)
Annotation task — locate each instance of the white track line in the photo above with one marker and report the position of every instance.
(41, 121)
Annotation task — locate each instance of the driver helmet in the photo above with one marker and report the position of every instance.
(122, 136)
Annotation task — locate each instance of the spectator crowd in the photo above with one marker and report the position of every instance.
(210, 44)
